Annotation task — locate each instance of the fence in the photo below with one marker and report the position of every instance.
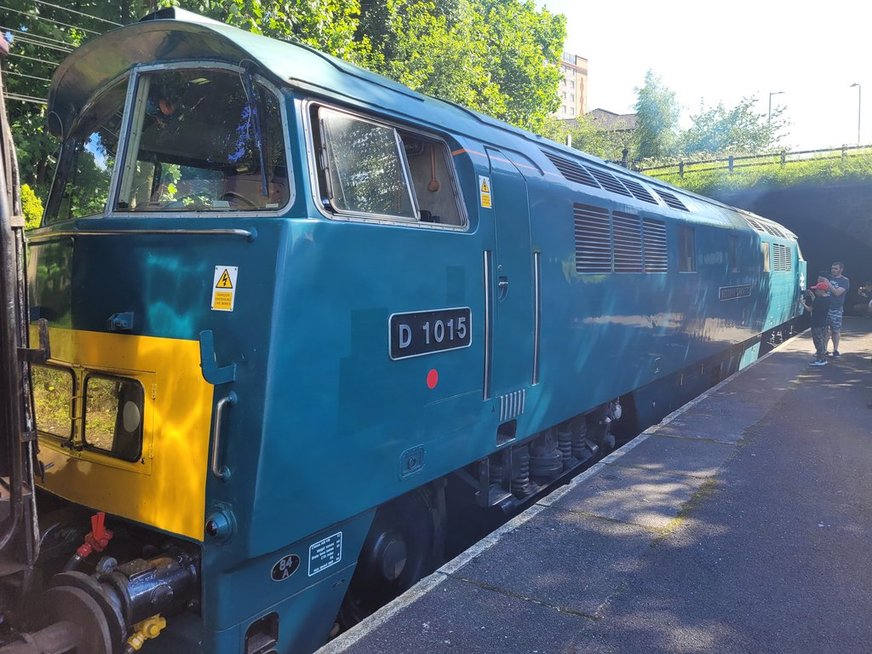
(732, 163)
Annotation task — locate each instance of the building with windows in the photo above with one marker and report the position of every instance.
(573, 86)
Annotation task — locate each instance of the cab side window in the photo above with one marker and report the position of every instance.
(81, 186)
(686, 249)
(374, 170)
(364, 168)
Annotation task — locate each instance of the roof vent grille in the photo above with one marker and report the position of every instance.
(639, 192)
(671, 200)
(609, 182)
(572, 171)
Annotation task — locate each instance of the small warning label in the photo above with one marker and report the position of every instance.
(224, 281)
(224, 288)
(484, 191)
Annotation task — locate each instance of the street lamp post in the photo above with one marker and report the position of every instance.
(859, 107)
(771, 93)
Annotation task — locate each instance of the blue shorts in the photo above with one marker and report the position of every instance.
(834, 320)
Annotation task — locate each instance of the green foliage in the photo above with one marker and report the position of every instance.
(34, 146)
(586, 136)
(424, 48)
(45, 34)
(456, 51)
(53, 397)
(528, 72)
(329, 25)
(774, 174)
(31, 205)
(657, 119)
(734, 130)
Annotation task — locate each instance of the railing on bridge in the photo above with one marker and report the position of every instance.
(732, 163)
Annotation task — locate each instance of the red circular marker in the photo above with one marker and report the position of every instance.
(432, 379)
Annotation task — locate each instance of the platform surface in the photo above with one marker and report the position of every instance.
(742, 523)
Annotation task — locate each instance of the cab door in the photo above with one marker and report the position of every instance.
(511, 287)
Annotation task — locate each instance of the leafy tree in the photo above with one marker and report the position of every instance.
(329, 25)
(657, 118)
(425, 47)
(732, 130)
(457, 51)
(523, 53)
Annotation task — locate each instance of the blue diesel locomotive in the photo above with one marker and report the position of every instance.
(286, 303)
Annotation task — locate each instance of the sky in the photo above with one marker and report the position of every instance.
(721, 52)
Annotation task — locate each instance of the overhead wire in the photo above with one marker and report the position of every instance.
(48, 20)
(40, 36)
(79, 13)
(25, 98)
(42, 61)
(25, 39)
(38, 40)
(17, 74)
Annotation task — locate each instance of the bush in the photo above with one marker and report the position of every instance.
(31, 205)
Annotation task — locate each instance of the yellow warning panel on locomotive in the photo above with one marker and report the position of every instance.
(484, 191)
(224, 288)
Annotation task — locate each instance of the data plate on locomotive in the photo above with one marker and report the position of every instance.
(425, 332)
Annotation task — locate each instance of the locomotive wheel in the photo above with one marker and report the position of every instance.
(402, 546)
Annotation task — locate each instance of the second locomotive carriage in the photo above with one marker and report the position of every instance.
(288, 301)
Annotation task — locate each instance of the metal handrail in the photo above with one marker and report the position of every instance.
(220, 471)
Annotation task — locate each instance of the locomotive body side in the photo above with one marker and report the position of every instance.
(306, 373)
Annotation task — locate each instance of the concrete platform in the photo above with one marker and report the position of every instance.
(742, 523)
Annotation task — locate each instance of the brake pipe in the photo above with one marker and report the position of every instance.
(95, 541)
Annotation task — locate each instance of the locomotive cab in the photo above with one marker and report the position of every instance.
(193, 262)
(142, 284)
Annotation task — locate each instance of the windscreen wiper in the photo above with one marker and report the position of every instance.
(255, 106)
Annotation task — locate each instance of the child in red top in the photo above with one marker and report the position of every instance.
(817, 300)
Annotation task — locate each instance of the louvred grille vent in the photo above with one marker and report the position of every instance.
(593, 243)
(654, 237)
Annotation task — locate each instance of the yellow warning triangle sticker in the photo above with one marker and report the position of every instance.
(224, 281)
(484, 186)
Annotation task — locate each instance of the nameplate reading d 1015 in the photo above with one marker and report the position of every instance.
(425, 332)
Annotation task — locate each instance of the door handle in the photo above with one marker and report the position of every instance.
(502, 287)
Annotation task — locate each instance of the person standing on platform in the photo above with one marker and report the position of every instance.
(839, 285)
(817, 300)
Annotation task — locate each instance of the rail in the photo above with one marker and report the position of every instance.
(733, 163)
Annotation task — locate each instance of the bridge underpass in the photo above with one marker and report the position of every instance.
(833, 222)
